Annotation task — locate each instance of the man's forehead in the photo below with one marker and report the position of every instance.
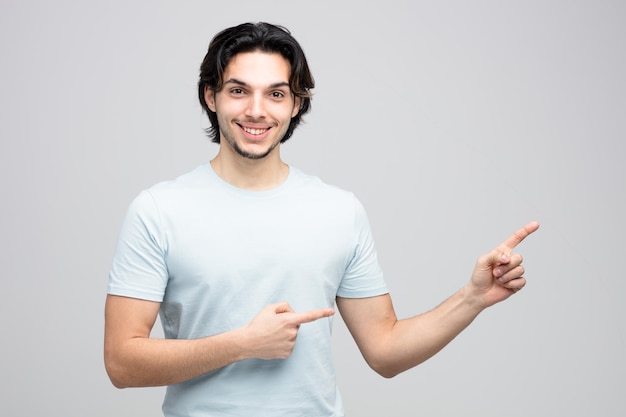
(257, 67)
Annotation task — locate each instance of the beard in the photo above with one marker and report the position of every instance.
(226, 134)
(249, 155)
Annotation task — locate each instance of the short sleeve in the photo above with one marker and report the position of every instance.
(139, 267)
(363, 276)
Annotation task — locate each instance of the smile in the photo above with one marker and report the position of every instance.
(254, 131)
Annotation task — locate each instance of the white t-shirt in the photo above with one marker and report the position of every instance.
(214, 255)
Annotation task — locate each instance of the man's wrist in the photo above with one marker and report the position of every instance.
(473, 298)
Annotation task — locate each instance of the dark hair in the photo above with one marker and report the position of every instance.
(249, 37)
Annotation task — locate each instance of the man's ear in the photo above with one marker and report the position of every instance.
(296, 106)
(209, 98)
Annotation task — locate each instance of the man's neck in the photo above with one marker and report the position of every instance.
(251, 174)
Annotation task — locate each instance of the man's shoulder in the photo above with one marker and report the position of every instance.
(314, 190)
(315, 182)
(189, 180)
(171, 191)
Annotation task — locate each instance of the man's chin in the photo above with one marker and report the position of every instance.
(254, 154)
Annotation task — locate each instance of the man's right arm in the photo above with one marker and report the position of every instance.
(133, 359)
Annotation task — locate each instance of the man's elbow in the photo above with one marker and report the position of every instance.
(384, 368)
(116, 372)
(117, 379)
(117, 383)
(386, 373)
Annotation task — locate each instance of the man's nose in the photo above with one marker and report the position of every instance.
(256, 107)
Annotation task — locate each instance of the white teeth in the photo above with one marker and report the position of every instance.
(254, 131)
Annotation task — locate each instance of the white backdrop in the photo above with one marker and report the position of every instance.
(454, 122)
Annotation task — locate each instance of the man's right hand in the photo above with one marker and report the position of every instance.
(272, 333)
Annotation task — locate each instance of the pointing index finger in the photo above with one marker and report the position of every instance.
(521, 234)
(312, 315)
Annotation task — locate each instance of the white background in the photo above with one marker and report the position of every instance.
(455, 122)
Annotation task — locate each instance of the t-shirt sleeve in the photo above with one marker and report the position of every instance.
(363, 276)
(139, 267)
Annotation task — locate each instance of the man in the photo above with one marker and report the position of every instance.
(245, 257)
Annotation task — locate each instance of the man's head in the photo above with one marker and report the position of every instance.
(250, 37)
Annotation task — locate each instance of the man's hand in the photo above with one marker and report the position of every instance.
(272, 333)
(499, 273)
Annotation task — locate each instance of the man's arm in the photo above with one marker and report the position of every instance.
(133, 359)
(391, 346)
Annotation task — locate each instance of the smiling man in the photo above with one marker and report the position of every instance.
(254, 108)
(246, 257)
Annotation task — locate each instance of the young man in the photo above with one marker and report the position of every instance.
(245, 258)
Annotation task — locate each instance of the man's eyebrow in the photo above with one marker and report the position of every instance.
(244, 84)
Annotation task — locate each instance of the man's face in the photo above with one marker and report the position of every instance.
(255, 105)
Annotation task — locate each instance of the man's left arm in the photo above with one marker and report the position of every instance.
(391, 346)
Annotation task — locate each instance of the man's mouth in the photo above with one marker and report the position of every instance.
(253, 131)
